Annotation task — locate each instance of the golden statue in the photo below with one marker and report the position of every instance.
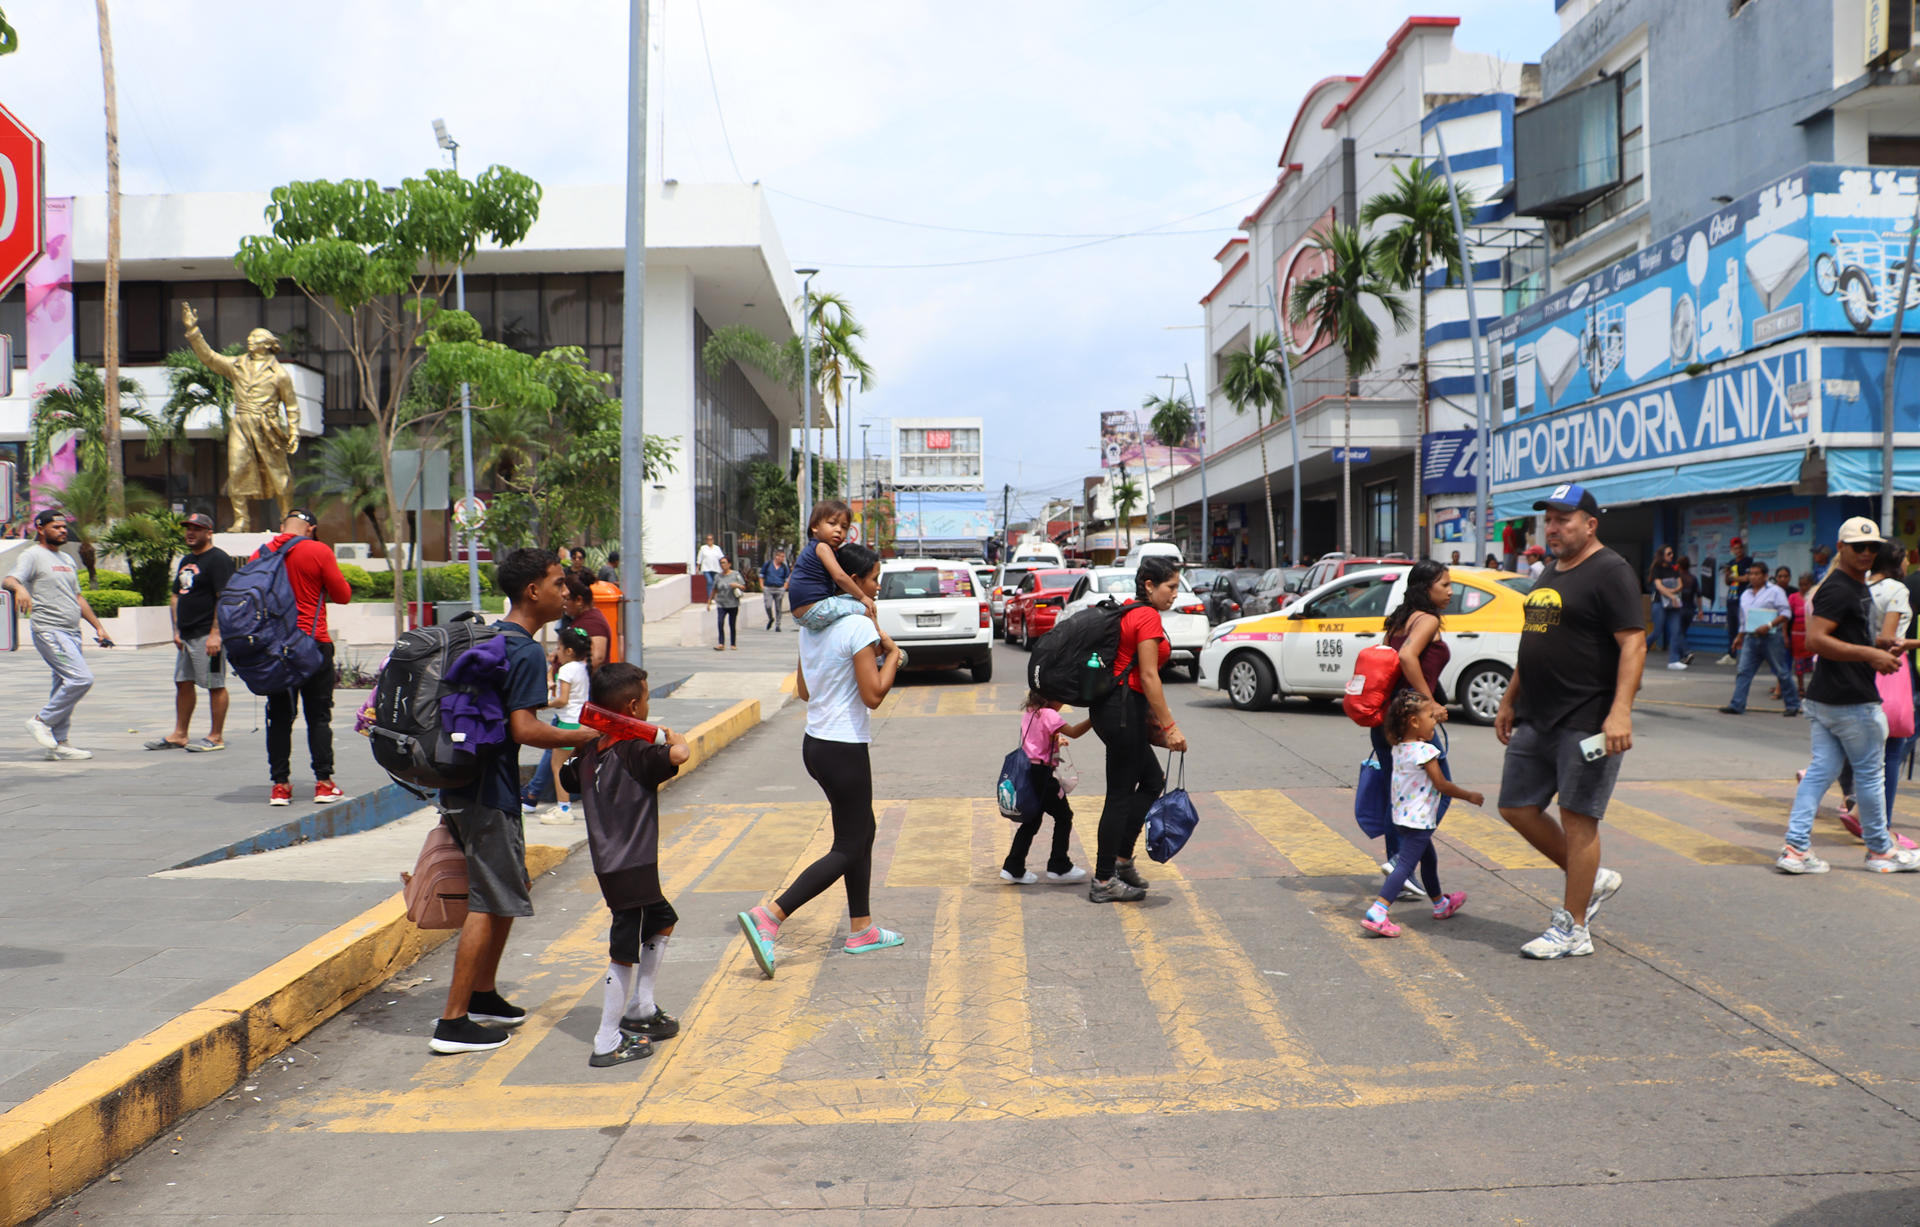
(258, 440)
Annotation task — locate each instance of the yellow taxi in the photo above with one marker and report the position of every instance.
(1309, 650)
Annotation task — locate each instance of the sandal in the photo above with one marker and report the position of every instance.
(162, 743)
(205, 745)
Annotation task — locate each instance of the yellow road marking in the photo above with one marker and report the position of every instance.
(957, 703)
(768, 848)
(1731, 796)
(1674, 837)
(1315, 849)
(977, 1009)
(1491, 838)
(935, 842)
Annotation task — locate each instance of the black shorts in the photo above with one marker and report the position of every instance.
(496, 848)
(1542, 763)
(633, 925)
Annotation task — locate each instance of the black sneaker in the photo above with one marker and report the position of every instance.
(1125, 871)
(491, 1007)
(658, 1025)
(465, 1035)
(631, 1048)
(1730, 710)
(1115, 891)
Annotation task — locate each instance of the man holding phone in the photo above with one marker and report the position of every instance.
(1582, 646)
(1845, 718)
(45, 584)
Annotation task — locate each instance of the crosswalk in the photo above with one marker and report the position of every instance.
(1240, 985)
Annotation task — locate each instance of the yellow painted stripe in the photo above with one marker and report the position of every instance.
(1731, 796)
(935, 843)
(1675, 837)
(1315, 849)
(976, 1012)
(1491, 838)
(768, 849)
(957, 703)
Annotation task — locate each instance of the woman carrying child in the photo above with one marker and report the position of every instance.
(1417, 787)
(1043, 730)
(820, 592)
(841, 683)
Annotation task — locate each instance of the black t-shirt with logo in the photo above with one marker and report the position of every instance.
(1569, 658)
(197, 584)
(1849, 605)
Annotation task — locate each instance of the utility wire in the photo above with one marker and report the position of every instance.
(714, 85)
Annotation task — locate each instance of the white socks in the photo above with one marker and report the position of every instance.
(619, 984)
(651, 950)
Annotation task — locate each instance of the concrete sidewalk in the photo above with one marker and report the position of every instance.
(99, 945)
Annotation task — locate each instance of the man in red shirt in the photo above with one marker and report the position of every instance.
(316, 579)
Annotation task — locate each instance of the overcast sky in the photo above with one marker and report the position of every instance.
(1056, 121)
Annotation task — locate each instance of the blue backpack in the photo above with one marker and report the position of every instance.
(260, 625)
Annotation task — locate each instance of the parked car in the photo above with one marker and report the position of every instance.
(1005, 580)
(1036, 604)
(1226, 596)
(1143, 549)
(1040, 551)
(1330, 567)
(1185, 624)
(931, 607)
(1310, 649)
(982, 576)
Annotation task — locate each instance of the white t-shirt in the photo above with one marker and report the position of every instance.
(1538, 565)
(573, 675)
(836, 711)
(1890, 596)
(710, 556)
(1416, 802)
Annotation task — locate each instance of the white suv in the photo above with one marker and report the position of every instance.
(934, 609)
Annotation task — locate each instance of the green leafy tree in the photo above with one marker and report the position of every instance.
(1126, 496)
(86, 497)
(1172, 423)
(149, 541)
(838, 361)
(1336, 302)
(343, 470)
(82, 406)
(192, 387)
(1253, 382)
(378, 262)
(1422, 232)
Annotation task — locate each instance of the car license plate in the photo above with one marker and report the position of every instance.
(927, 620)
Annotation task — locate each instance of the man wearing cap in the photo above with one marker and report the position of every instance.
(1842, 705)
(203, 573)
(1536, 561)
(1736, 577)
(1582, 646)
(315, 578)
(258, 440)
(48, 590)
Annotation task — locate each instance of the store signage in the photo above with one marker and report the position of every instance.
(1303, 261)
(1448, 462)
(939, 440)
(1889, 31)
(1746, 404)
(1818, 250)
(1354, 455)
(23, 199)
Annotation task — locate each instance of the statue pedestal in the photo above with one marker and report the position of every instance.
(240, 546)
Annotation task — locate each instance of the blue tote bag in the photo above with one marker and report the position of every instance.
(1373, 794)
(1171, 818)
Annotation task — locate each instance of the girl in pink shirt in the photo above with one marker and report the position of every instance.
(1043, 730)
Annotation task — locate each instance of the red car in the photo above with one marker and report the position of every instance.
(1032, 607)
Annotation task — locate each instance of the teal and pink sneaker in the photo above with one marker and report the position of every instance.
(760, 928)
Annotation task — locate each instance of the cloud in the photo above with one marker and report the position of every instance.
(1072, 116)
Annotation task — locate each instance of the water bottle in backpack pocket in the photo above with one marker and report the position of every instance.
(1073, 663)
(407, 736)
(260, 625)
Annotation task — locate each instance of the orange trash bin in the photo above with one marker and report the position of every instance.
(607, 599)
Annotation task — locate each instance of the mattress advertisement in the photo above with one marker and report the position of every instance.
(1819, 250)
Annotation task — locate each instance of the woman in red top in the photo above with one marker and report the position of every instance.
(1413, 630)
(1125, 722)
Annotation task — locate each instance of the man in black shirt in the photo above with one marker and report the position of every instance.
(1581, 650)
(1842, 705)
(203, 572)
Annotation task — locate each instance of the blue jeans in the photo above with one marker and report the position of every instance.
(1773, 646)
(542, 782)
(822, 614)
(1854, 733)
(1673, 631)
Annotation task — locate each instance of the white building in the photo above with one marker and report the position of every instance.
(714, 258)
(937, 454)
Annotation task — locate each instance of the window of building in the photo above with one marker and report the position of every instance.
(1633, 157)
(733, 428)
(1893, 150)
(1382, 517)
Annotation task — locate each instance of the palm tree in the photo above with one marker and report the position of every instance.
(1253, 382)
(116, 463)
(82, 407)
(191, 387)
(1336, 301)
(84, 497)
(345, 471)
(1423, 233)
(837, 359)
(1172, 425)
(1126, 496)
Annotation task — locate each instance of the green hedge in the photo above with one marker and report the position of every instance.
(446, 583)
(359, 580)
(108, 579)
(106, 600)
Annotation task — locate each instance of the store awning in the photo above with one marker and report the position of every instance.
(1856, 470)
(1681, 481)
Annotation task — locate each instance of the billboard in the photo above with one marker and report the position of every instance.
(1819, 250)
(1125, 441)
(1449, 461)
(930, 516)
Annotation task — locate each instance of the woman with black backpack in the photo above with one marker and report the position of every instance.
(1129, 722)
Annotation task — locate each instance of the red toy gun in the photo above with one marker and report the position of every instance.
(617, 727)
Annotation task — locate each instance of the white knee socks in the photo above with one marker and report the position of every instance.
(651, 950)
(619, 984)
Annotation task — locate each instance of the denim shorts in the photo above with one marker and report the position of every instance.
(1546, 762)
(496, 848)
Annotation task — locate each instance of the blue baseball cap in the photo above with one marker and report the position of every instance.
(1569, 498)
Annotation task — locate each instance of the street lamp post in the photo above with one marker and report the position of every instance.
(633, 305)
(806, 392)
(1200, 417)
(452, 146)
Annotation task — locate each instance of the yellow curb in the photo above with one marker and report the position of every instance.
(70, 1134)
(791, 683)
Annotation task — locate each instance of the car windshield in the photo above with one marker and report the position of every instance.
(1519, 583)
(924, 584)
(1011, 576)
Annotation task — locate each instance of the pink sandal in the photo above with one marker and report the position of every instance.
(1382, 927)
(1448, 904)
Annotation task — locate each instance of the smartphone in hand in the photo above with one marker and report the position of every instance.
(1594, 748)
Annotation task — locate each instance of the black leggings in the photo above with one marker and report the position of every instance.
(1134, 777)
(845, 774)
(1047, 784)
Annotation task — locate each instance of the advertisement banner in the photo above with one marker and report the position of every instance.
(1818, 250)
(926, 516)
(1448, 461)
(1124, 440)
(1744, 404)
(50, 340)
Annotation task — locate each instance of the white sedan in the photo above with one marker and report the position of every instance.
(1185, 624)
(934, 609)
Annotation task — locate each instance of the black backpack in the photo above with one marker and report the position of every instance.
(1073, 662)
(406, 734)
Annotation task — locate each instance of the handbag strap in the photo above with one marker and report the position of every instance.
(1166, 770)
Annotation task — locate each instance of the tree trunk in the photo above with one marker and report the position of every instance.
(396, 516)
(110, 314)
(1266, 486)
(1420, 548)
(1346, 473)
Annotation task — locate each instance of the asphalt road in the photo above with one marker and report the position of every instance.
(1743, 1047)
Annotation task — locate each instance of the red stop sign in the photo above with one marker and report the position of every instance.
(23, 199)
